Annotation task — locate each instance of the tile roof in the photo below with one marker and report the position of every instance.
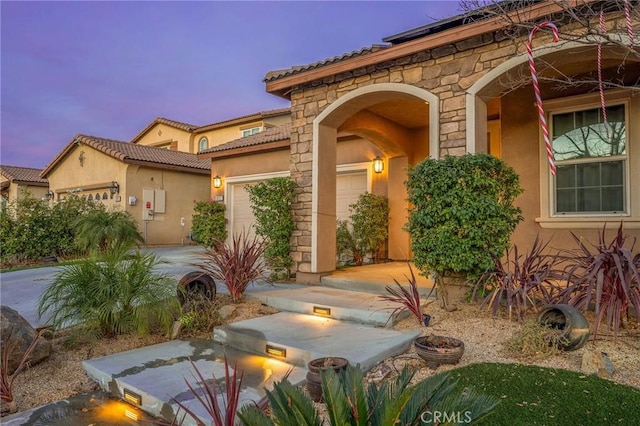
(161, 120)
(274, 134)
(23, 174)
(128, 152)
(274, 75)
(249, 117)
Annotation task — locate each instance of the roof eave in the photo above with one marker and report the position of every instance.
(246, 150)
(282, 86)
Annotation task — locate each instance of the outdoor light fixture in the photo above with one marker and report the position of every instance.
(49, 195)
(130, 414)
(132, 397)
(217, 181)
(276, 351)
(378, 164)
(319, 310)
(114, 188)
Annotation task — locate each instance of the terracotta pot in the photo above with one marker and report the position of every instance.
(574, 326)
(436, 350)
(316, 367)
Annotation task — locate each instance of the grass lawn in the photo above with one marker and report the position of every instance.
(532, 395)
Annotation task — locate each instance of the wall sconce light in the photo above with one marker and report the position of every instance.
(49, 195)
(319, 310)
(378, 164)
(217, 181)
(132, 397)
(114, 188)
(276, 351)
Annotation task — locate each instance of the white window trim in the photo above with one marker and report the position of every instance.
(251, 130)
(631, 218)
(206, 139)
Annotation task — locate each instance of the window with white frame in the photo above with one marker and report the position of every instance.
(203, 143)
(251, 131)
(591, 161)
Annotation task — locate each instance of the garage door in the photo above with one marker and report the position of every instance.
(242, 215)
(349, 186)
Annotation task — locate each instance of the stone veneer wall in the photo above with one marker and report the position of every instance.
(446, 71)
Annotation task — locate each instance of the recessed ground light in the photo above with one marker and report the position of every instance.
(130, 414)
(319, 310)
(132, 397)
(276, 351)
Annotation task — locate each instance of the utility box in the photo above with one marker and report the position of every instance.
(148, 204)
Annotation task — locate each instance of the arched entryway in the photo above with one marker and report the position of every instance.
(402, 122)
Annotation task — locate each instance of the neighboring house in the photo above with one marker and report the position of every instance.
(17, 181)
(442, 90)
(177, 136)
(157, 186)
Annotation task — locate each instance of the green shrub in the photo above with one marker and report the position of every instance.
(462, 213)
(346, 246)
(370, 220)
(101, 231)
(118, 295)
(209, 225)
(271, 204)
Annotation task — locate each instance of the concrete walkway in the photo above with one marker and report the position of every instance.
(342, 317)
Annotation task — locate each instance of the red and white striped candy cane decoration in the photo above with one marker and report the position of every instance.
(600, 83)
(627, 15)
(536, 89)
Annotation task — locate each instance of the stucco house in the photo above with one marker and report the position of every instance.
(178, 136)
(157, 186)
(457, 86)
(16, 181)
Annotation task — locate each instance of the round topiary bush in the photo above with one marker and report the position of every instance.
(462, 212)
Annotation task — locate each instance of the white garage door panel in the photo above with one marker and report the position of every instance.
(241, 210)
(348, 189)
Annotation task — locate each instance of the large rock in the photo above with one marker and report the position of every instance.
(596, 362)
(22, 335)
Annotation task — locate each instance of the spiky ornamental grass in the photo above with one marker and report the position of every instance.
(236, 264)
(119, 294)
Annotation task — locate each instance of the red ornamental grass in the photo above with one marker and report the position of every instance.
(407, 298)
(237, 264)
(207, 394)
(607, 276)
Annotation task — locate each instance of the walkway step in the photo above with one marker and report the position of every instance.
(374, 278)
(157, 374)
(365, 308)
(306, 337)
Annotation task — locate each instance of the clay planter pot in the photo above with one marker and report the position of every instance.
(436, 350)
(316, 367)
(574, 326)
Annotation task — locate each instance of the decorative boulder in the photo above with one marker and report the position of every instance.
(16, 330)
(597, 362)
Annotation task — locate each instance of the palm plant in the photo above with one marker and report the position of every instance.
(119, 295)
(349, 402)
(100, 231)
(237, 264)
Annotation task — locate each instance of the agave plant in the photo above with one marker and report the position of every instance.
(237, 264)
(348, 402)
(118, 295)
(608, 277)
(520, 282)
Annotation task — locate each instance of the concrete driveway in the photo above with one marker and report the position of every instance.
(21, 290)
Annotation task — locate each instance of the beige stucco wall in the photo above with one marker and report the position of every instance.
(162, 135)
(93, 175)
(182, 191)
(17, 191)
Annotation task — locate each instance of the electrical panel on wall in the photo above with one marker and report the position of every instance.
(148, 204)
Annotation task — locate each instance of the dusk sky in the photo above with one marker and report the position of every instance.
(109, 68)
